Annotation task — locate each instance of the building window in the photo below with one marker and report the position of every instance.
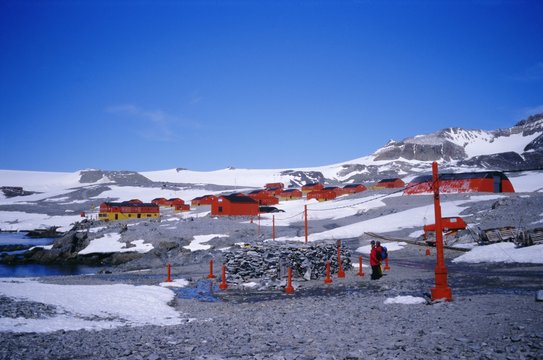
(139, 216)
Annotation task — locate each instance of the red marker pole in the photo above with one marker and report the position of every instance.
(211, 275)
(169, 279)
(360, 271)
(289, 289)
(441, 290)
(340, 272)
(223, 285)
(328, 279)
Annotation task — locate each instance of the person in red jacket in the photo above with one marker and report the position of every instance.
(375, 261)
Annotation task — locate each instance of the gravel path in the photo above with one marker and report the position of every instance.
(493, 315)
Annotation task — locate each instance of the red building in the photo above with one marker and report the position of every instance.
(263, 197)
(322, 195)
(448, 225)
(234, 205)
(354, 188)
(203, 200)
(173, 202)
(135, 201)
(275, 188)
(312, 187)
(160, 201)
(486, 181)
(390, 184)
(182, 207)
(290, 194)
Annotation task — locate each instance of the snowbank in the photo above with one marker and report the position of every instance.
(89, 306)
(407, 300)
(503, 252)
(110, 243)
(197, 243)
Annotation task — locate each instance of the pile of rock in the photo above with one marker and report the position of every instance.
(271, 261)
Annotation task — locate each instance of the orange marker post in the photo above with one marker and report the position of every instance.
(441, 290)
(386, 264)
(169, 279)
(211, 275)
(428, 251)
(360, 271)
(289, 289)
(328, 279)
(223, 285)
(340, 272)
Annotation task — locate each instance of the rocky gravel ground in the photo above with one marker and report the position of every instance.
(493, 315)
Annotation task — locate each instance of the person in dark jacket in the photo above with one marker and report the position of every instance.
(375, 261)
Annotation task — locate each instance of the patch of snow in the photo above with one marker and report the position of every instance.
(96, 229)
(416, 234)
(18, 220)
(250, 284)
(197, 243)
(110, 243)
(503, 252)
(528, 182)
(407, 300)
(92, 307)
(175, 283)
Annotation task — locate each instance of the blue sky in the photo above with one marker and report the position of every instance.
(149, 85)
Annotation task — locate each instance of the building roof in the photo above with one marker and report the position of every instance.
(239, 199)
(461, 176)
(290, 190)
(349, 186)
(128, 204)
(389, 180)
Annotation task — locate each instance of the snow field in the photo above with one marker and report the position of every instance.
(90, 306)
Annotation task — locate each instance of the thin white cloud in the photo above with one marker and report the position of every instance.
(159, 125)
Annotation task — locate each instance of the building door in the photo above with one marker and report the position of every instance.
(220, 209)
(497, 184)
(116, 216)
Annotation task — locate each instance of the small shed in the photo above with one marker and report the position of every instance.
(322, 195)
(173, 202)
(263, 197)
(290, 194)
(312, 187)
(234, 205)
(203, 200)
(354, 188)
(160, 201)
(182, 207)
(392, 183)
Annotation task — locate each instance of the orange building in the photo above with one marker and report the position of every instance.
(312, 187)
(290, 194)
(234, 205)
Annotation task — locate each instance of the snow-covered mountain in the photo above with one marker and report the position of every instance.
(516, 148)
